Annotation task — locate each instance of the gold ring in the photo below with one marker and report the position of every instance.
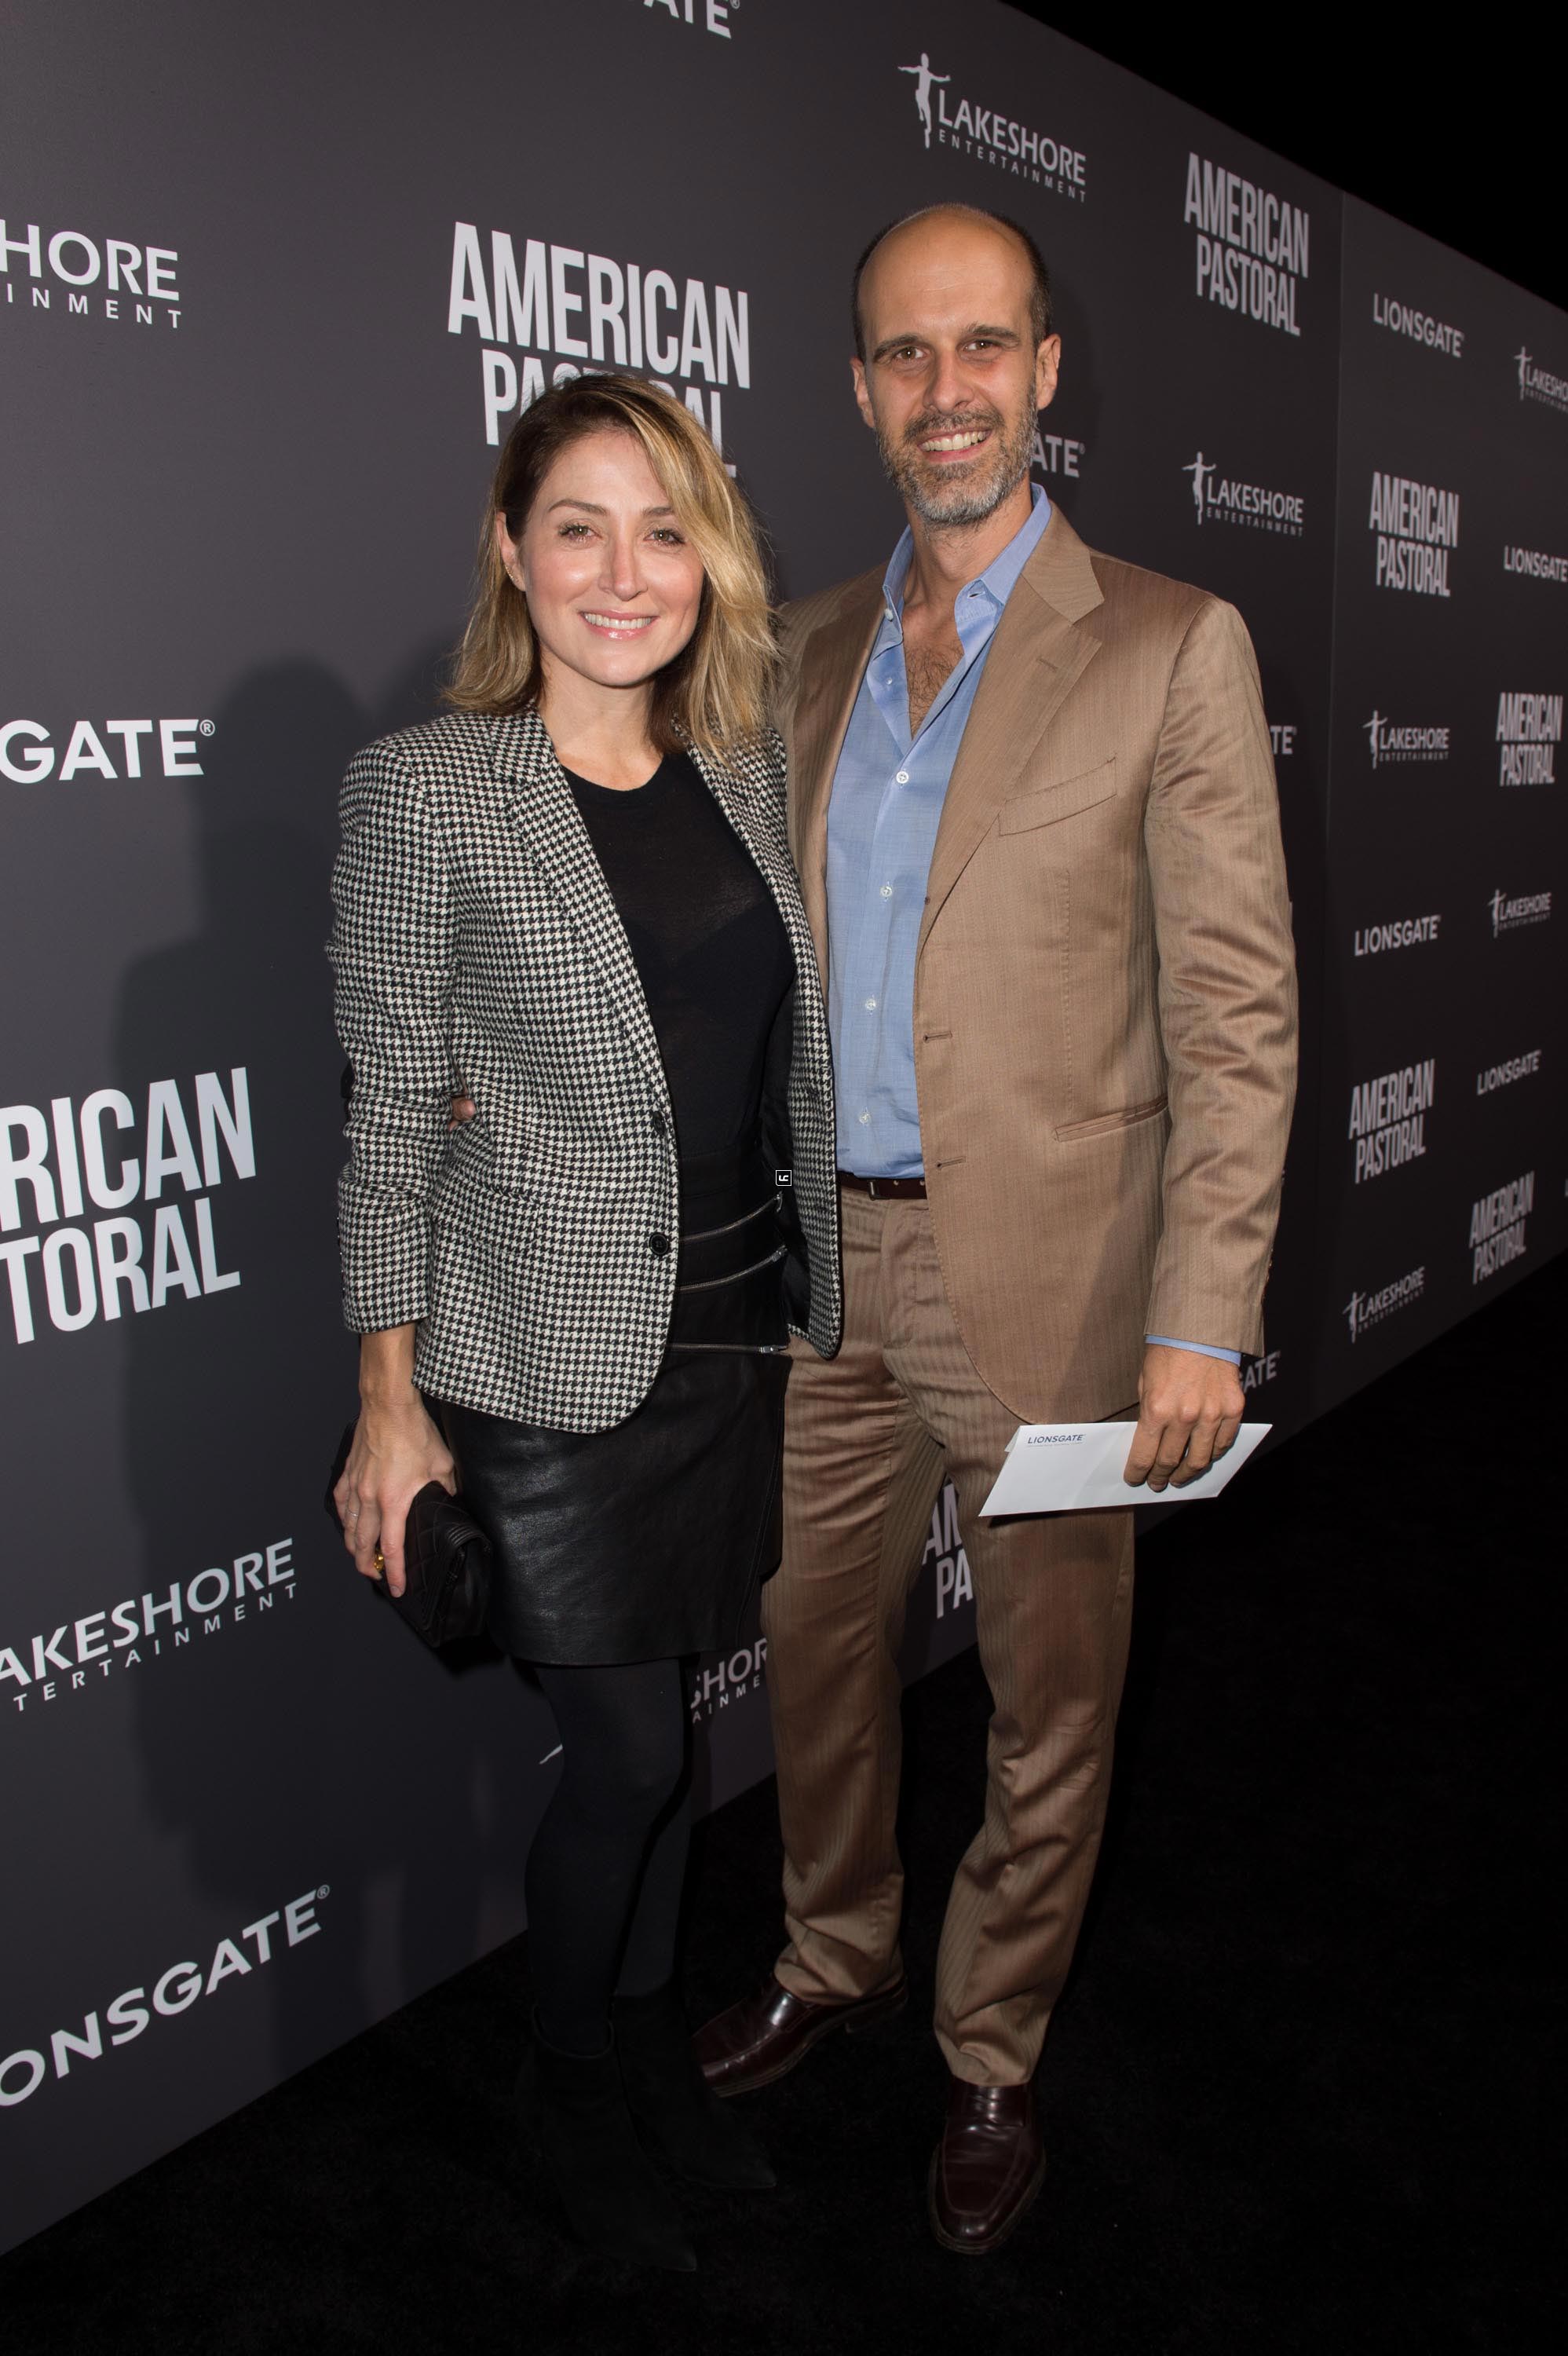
(380, 1563)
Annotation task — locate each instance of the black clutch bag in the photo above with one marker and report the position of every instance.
(446, 1562)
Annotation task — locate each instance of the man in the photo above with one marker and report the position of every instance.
(1034, 813)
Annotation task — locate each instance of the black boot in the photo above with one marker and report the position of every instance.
(677, 2114)
(614, 2201)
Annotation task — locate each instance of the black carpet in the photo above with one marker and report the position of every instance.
(1299, 2096)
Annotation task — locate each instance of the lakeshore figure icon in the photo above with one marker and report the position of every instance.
(923, 78)
(1521, 356)
(1200, 471)
(1371, 727)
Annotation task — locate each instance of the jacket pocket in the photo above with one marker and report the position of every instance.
(1065, 799)
(1105, 1123)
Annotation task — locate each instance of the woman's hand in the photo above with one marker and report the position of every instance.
(396, 1451)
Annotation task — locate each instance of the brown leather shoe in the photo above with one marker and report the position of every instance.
(765, 2035)
(988, 2167)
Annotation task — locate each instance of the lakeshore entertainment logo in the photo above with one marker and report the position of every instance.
(1251, 248)
(717, 1684)
(1512, 915)
(713, 16)
(1390, 741)
(1406, 932)
(1421, 327)
(1497, 1226)
(1504, 1075)
(1536, 383)
(79, 1654)
(994, 138)
(1535, 564)
(1416, 527)
(1225, 498)
(1365, 1310)
(174, 1991)
(1529, 729)
(102, 277)
(28, 750)
(1388, 1119)
(64, 1161)
(589, 310)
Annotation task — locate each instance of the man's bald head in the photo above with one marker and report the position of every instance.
(974, 218)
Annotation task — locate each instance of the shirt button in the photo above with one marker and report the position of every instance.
(658, 1245)
(902, 778)
(870, 1006)
(865, 1120)
(886, 891)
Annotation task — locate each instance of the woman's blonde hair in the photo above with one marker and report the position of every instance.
(714, 693)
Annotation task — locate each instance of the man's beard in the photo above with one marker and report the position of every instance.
(970, 491)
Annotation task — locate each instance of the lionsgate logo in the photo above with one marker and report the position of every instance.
(1536, 383)
(1403, 933)
(1416, 528)
(591, 311)
(1530, 729)
(1251, 248)
(1388, 1119)
(82, 278)
(1391, 741)
(1497, 1223)
(1219, 498)
(1511, 913)
(1365, 1310)
(1534, 563)
(79, 1655)
(131, 2013)
(1420, 326)
(29, 753)
(1017, 148)
(1511, 1069)
(53, 1164)
(712, 16)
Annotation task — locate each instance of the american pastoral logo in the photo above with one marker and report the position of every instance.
(1499, 1223)
(1415, 529)
(1530, 730)
(1219, 498)
(992, 136)
(1251, 248)
(545, 313)
(1388, 1119)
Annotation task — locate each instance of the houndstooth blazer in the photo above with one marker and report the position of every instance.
(475, 944)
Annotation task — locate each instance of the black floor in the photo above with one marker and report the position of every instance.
(1300, 2094)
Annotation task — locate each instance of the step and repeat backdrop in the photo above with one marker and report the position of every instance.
(273, 283)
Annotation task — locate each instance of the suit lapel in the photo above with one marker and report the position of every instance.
(1036, 659)
(831, 663)
(547, 817)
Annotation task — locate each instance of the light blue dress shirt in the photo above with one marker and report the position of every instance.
(882, 816)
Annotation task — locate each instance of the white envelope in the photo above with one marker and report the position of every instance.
(1067, 1468)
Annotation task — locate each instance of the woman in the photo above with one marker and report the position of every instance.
(571, 900)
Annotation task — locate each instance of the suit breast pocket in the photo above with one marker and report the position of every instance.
(1065, 798)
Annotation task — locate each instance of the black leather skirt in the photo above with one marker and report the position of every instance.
(649, 1540)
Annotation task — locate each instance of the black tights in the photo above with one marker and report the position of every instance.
(607, 1869)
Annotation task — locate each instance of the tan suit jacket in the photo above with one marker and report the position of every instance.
(1104, 990)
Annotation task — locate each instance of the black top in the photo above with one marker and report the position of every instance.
(709, 946)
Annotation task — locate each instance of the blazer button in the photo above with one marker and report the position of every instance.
(659, 1124)
(658, 1245)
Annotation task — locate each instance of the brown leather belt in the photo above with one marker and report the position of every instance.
(885, 1190)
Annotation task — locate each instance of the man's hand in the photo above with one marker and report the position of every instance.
(1189, 1411)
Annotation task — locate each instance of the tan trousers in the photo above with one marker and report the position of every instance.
(868, 1436)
